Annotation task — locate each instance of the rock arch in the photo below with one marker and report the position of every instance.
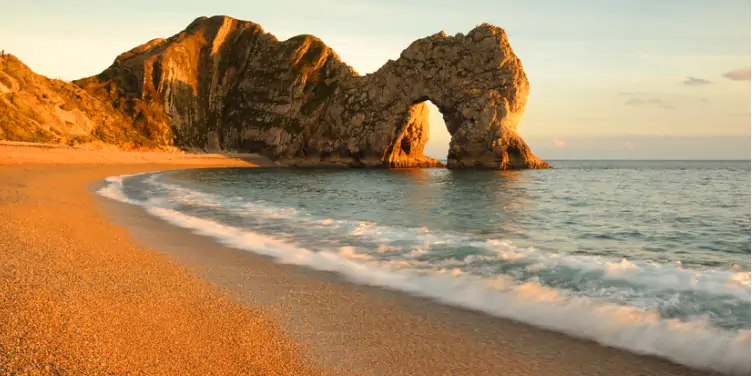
(477, 83)
(225, 83)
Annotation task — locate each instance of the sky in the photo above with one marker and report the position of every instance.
(610, 79)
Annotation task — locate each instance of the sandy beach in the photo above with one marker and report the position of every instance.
(78, 297)
(92, 286)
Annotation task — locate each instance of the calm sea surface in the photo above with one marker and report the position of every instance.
(652, 257)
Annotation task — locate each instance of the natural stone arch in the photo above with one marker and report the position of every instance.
(477, 83)
(227, 84)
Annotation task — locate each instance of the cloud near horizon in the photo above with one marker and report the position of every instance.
(738, 75)
(694, 81)
(559, 143)
(660, 103)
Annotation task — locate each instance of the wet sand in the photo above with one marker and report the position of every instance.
(92, 286)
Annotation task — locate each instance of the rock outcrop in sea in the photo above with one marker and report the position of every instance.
(226, 84)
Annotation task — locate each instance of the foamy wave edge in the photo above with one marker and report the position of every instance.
(647, 273)
(695, 344)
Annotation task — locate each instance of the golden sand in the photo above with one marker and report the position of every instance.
(80, 295)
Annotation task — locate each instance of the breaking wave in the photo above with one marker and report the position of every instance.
(518, 293)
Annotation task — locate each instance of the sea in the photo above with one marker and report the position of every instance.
(648, 256)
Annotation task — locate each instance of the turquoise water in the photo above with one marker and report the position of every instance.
(653, 257)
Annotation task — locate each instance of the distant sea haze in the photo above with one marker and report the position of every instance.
(645, 147)
(627, 147)
(651, 257)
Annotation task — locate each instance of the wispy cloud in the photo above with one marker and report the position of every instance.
(655, 94)
(638, 101)
(559, 143)
(738, 75)
(629, 145)
(665, 101)
(694, 81)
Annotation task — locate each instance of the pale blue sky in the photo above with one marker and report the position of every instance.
(600, 70)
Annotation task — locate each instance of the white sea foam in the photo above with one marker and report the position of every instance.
(651, 275)
(654, 275)
(258, 209)
(694, 343)
(113, 188)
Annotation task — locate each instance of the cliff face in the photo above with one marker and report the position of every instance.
(226, 84)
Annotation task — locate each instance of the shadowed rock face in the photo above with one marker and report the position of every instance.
(227, 84)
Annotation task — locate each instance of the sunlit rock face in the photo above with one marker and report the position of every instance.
(226, 84)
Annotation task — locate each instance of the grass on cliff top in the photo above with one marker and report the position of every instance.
(32, 113)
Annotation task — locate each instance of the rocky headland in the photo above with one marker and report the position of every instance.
(226, 84)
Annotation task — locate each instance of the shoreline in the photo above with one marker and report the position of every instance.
(481, 342)
(343, 327)
(334, 316)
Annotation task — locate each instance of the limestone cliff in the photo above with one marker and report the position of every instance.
(227, 84)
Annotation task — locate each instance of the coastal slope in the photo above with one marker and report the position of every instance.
(34, 108)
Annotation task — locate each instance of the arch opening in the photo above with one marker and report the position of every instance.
(439, 137)
(422, 139)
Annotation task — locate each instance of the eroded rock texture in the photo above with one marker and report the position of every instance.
(227, 84)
